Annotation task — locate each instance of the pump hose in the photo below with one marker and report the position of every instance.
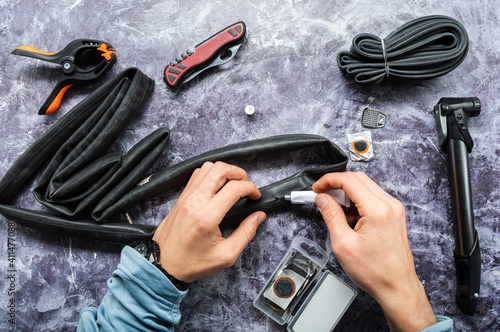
(424, 48)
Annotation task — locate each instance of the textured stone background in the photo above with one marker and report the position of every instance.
(287, 70)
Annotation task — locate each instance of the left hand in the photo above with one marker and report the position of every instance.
(376, 253)
(191, 243)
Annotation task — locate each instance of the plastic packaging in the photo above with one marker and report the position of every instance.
(299, 275)
(360, 146)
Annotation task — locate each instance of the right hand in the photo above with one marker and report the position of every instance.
(376, 253)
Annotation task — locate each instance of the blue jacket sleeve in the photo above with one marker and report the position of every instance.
(444, 324)
(139, 298)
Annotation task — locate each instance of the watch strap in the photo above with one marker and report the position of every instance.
(153, 256)
(180, 285)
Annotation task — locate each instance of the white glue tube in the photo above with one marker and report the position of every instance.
(308, 197)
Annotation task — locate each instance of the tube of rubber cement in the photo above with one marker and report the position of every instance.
(308, 197)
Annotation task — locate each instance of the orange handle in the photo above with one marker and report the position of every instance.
(33, 49)
(54, 105)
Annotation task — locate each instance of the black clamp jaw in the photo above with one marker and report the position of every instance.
(82, 61)
(452, 116)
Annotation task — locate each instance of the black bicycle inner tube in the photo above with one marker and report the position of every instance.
(87, 186)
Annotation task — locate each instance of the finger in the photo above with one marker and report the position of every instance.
(200, 175)
(352, 185)
(242, 236)
(192, 180)
(224, 200)
(334, 217)
(218, 175)
(195, 180)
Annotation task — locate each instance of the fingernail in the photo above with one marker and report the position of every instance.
(321, 201)
(261, 219)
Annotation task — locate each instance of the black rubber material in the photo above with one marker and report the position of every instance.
(272, 195)
(111, 232)
(424, 48)
(79, 121)
(80, 172)
(84, 181)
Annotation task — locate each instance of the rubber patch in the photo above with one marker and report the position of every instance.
(360, 146)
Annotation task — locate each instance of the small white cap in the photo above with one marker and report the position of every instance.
(249, 110)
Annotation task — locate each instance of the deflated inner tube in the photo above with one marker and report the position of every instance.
(117, 101)
(272, 195)
(80, 172)
(82, 178)
(85, 229)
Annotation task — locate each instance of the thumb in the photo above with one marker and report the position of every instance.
(242, 236)
(333, 216)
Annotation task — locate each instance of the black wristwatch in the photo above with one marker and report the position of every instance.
(150, 250)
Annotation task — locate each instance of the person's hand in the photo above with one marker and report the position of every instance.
(191, 243)
(376, 253)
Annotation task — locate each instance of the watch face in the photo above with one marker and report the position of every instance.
(142, 249)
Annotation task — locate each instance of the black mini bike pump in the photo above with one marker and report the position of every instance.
(452, 115)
